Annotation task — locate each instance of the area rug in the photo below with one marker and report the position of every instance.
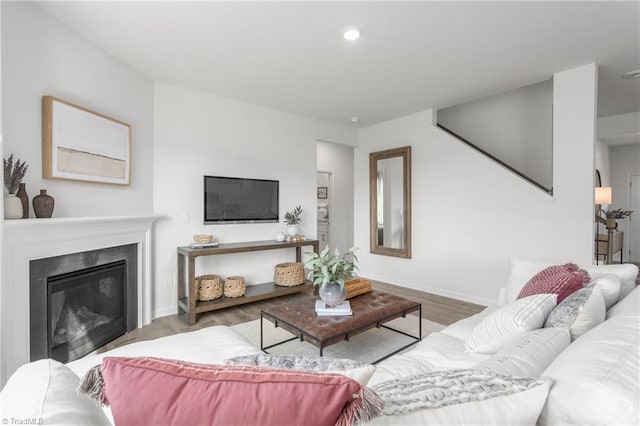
(366, 347)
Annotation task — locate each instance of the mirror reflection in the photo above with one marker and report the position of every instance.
(390, 186)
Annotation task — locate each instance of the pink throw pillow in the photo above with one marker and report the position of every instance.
(154, 391)
(562, 280)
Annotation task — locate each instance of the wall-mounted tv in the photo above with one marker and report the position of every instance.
(240, 200)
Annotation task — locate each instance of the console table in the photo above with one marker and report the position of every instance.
(189, 306)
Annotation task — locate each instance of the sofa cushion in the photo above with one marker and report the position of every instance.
(511, 320)
(559, 279)
(522, 270)
(609, 286)
(357, 371)
(162, 391)
(630, 305)
(528, 355)
(456, 397)
(579, 312)
(596, 377)
(45, 390)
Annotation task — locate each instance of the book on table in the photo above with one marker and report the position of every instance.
(203, 245)
(342, 309)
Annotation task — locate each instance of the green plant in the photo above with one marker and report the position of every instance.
(617, 213)
(14, 173)
(293, 217)
(325, 267)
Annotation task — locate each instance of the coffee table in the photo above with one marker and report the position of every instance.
(369, 310)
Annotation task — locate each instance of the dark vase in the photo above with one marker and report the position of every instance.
(43, 204)
(24, 198)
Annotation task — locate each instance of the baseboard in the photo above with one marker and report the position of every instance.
(164, 312)
(438, 291)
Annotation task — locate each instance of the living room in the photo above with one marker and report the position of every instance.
(470, 216)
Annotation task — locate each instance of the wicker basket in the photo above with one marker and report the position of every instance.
(289, 274)
(357, 286)
(209, 287)
(202, 238)
(234, 286)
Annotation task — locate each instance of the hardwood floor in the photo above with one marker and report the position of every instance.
(443, 310)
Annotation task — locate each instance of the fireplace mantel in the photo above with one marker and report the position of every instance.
(30, 239)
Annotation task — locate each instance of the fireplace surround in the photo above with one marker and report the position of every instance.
(80, 301)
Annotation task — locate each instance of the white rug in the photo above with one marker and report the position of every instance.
(366, 347)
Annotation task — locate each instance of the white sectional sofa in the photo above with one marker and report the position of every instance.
(591, 380)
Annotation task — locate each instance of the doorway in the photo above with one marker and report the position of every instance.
(324, 208)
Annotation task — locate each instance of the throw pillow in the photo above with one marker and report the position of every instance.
(528, 355)
(510, 321)
(45, 391)
(579, 312)
(172, 392)
(347, 367)
(609, 286)
(462, 397)
(559, 279)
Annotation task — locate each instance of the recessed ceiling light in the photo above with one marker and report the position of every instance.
(352, 34)
(354, 119)
(632, 74)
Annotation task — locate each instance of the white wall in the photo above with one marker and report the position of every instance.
(470, 215)
(338, 159)
(197, 134)
(40, 57)
(625, 161)
(514, 126)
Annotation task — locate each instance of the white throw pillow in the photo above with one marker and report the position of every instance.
(630, 305)
(529, 354)
(45, 390)
(512, 320)
(609, 286)
(627, 272)
(580, 312)
(357, 371)
(461, 397)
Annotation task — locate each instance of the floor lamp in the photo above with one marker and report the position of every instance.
(603, 196)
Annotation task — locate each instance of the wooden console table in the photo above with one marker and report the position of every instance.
(189, 306)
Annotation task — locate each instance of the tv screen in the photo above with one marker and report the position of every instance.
(238, 200)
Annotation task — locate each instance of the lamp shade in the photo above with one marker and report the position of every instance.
(603, 195)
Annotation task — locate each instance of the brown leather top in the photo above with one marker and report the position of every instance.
(369, 310)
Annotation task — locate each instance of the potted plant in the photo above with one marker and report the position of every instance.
(612, 215)
(292, 219)
(330, 271)
(13, 175)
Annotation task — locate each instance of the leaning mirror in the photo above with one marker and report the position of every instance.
(390, 198)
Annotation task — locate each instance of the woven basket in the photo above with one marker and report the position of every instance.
(357, 286)
(209, 287)
(289, 274)
(234, 286)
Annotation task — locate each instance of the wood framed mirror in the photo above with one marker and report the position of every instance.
(390, 202)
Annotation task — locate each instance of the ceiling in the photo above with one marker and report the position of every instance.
(412, 56)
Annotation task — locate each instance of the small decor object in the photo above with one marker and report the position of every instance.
(341, 309)
(280, 236)
(330, 272)
(357, 286)
(234, 286)
(80, 144)
(24, 199)
(292, 219)
(289, 274)
(322, 192)
(43, 204)
(202, 238)
(13, 175)
(209, 287)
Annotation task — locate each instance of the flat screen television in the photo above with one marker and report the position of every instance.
(240, 200)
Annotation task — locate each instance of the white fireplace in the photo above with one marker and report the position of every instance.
(31, 239)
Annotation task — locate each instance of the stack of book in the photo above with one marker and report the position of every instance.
(203, 245)
(323, 310)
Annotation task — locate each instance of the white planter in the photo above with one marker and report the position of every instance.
(12, 207)
(292, 230)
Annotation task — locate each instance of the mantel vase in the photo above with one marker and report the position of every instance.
(332, 294)
(24, 198)
(43, 204)
(12, 207)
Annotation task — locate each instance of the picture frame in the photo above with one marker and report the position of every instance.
(83, 145)
(322, 192)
